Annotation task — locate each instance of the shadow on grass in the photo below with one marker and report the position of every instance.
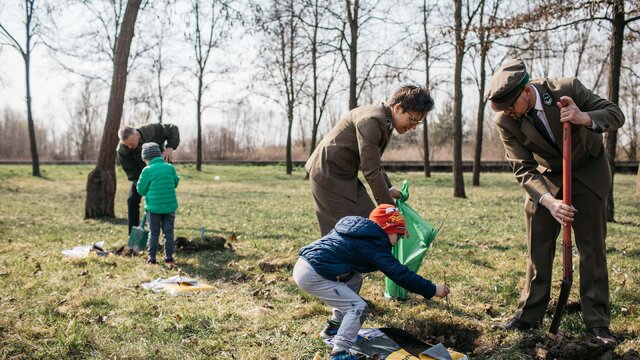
(634, 253)
(213, 265)
(115, 221)
(572, 307)
(231, 235)
(482, 263)
(626, 335)
(627, 223)
(624, 251)
(500, 248)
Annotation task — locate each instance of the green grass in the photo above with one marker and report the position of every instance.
(53, 307)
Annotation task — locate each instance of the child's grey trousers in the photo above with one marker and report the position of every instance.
(348, 307)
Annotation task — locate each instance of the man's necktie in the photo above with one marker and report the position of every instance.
(539, 125)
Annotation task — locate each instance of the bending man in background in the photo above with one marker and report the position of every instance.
(129, 155)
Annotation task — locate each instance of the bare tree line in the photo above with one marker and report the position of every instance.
(151, 97)
(316, 59)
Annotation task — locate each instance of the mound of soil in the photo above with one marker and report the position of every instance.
(469, 339)
(207, 243)
(548, 347)
(125, 251)
(271, 267)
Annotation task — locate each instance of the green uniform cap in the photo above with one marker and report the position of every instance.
(506, 83)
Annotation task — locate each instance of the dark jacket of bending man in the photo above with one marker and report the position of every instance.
(129, 156)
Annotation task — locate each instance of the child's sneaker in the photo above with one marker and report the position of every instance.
(150, 261)
(343, 355)
(330, 330)
(169, 262)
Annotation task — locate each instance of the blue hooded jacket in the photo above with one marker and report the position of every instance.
(359, 244)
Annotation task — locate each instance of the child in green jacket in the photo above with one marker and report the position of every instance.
(157, 183)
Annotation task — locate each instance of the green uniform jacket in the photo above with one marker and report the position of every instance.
(158, 183)
(131, 159)
(537, 165)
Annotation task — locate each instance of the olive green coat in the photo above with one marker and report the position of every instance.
(356, 143)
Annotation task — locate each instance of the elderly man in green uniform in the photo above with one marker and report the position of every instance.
(129, 155)
(357, 142)
(529, 116)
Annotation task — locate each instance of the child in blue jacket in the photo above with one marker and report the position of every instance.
(330, 269)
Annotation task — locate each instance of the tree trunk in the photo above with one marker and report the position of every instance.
(458, 180)
(314, 67)
(199, 121)
(289, 159)
(427, 84)
(611, 138)
(425, 138)
(353, 53)
(26, 55)
(101, 182)
(35, 161)
(477, 156)
(159, 82)
(638, 185)
(292, 95)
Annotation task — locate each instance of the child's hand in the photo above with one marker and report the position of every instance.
(442, 290)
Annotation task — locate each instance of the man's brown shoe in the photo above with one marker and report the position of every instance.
(514, 324)
(603, 334)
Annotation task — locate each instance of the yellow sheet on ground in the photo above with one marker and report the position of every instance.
(401, 354)
(185, 287)
(454, 356)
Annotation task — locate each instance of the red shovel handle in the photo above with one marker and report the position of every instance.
(566, 198)
(567, 266)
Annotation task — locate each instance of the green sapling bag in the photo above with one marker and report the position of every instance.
(412, 250)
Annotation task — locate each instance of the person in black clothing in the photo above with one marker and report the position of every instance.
(129, 156)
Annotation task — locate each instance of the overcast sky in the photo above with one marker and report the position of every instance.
(54, 89)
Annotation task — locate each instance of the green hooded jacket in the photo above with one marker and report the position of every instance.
(131, 159)
(157, 184)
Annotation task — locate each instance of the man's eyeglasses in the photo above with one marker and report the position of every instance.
(413, 121)
(513, 104)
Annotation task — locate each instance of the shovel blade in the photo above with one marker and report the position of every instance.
(562, 301)
(138, 238)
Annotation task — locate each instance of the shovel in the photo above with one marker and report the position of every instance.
(567, 266)
(139, 236)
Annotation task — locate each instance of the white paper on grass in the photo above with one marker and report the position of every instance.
(83, 251)
(160, 284)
